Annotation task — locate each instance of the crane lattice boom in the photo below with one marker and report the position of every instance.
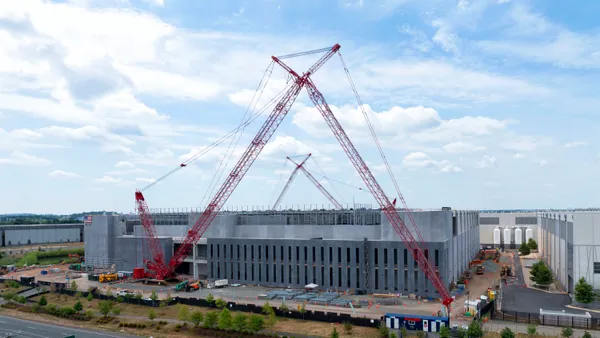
(158, 266)
(289, 182)
(318, 184)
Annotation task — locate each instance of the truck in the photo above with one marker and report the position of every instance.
(480, 269)
(219, 283)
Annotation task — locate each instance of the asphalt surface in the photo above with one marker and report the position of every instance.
(517, 297)
(13, 327)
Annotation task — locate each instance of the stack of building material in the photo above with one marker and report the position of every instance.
(305, 297)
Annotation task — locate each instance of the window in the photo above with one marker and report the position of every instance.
(340, 258)
(426, 254)
(376, 279)
(259, 272)
(314, 250)
(385, 258)
(357, 256)
(281, 256)
(376, 257)
(596, 267)
(348, 255)
(225, 251)
(218, 251)
(436, 257)
(290, 255)
(339, 277)
(252, 255)
(322, 254)
(238, 253)
(211, 251)
(358, 275)
(395, 256)
(245, 253)
(496, 220)
(455, 226)
(297, 254)
(260, 252)
(330, 256)
(405, 257)
(274, 253)
(305, 254)
(524, 220)
(267, 252)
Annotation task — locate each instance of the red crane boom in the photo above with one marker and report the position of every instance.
(244, 163)
(157, 267)
(289, 182)
(318, 185)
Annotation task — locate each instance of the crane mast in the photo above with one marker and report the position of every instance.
(289, 182)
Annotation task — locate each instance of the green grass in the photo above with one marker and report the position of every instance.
(48, 257)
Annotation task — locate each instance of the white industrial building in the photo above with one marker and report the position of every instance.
(570, 245)
(507, 229)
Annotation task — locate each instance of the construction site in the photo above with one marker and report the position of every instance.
(371, 260)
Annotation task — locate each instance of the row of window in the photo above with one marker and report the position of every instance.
(305, 250)
(254, 272)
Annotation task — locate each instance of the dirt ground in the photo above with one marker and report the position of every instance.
(171, 312)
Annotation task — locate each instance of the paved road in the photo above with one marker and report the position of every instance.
(13, 327)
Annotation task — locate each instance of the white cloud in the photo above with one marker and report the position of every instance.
(145, 180)
(526, 143)
(124, 164)
(574, 144)
(462, 147)
(420, 160)
(60, 173)
(108, 179)
(445, 37)
(23, 159)
(543, 163)
(519, 156)
(486, 162)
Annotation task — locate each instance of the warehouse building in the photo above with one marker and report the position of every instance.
(336, 249)
(507, 230)
(570, 245)
(31, 234)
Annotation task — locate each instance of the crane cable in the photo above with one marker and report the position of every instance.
(334, 180)
(332, 186)
(236, 137)
(225, 137)
(381, 153)
(279, 180)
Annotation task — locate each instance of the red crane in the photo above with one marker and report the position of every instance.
(311, 178)
(158, 266)
(263, 136)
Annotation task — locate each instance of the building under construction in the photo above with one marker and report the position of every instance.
(337, 249)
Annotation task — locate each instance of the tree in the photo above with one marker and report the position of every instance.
(74, 286)
(383, 330)
(348, 328)
(183, 313)
(524, 249)
(586, 335)
(267, 308)
(271, 320)
(256, 323)
(105, 307)
(43, 301)
(220, 303)
(462, 333)
(334, 333)
(474, 330)
(210, 319)
(507, 333)
(78, 307)
(531, 330)
(444, 332)
(116, 310)
(584, 292)
(196, 317)
(210, 298)
(153, 296)
(541, 274)
(283, 307)
(238, 323)
(567, 332)
(532, 244)
(224, 319)
(90, 297)
(78, 295)
(152, 314)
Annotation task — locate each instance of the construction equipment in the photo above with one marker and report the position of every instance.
(187, 286)
(506, 271)
(257, 145)
(181, 286)
(108, 277)
(480, 269)
(311, 178)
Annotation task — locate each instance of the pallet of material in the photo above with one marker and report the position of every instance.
(384, 295)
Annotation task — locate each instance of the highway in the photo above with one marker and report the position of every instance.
(13, 327)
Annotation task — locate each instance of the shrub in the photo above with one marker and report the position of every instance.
(334, 333)
(256, 323)
(153, 296)
(586, 335)
(20, 299)
(531, 330)
(211, 319)
(183, 314)
(120, 299)
(210, 298)
(238, 323)
(90, 314)
(105, 307)
(152, 314)
(474, 329)
(507, 333)
(43, 301)
(67, 311)
(383, 330)
(8, 295)
(196, 317)
(348, 328)
(567, 332)
(220, 303)
(90, 297)
(444, 332)
(116, 311)
(78, 307)
(224, 322)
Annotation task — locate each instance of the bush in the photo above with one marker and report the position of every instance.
(348, 328)
(20, 299)
(152, 314)
(224, 319)
(12, 284)
(105, 307)
(256, 323)
(78, 307)
(8, 295)
(220, 303)
(196, 317)
(586, 335)
(183, 313)
(211, 319)
(567, 332)
(524, 249)
(116, 311)
(210, 298)
(584, 292)
(43, 301)
(507, 333)
(238, 323)
(474, 330)
(334, 333)
(90, 297)
(383, 330)
(532, 244)
(444, 332)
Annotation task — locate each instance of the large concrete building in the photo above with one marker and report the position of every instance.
(507, 229)
(570, 245)
(336, 249)
(31, 234)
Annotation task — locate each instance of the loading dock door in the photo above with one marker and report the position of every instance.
(396, 323)
(433, 326)
(388, 322)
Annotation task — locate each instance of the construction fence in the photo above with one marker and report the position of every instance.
(560, 320)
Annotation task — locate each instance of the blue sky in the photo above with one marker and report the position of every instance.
(477, 104)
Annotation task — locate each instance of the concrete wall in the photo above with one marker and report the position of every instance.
(489, 221)
(100, 240)
(133, 250)
(40, 234)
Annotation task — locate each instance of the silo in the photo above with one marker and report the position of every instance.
(518, 237)
(506, 236)
(528, 234)
(497, 237)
